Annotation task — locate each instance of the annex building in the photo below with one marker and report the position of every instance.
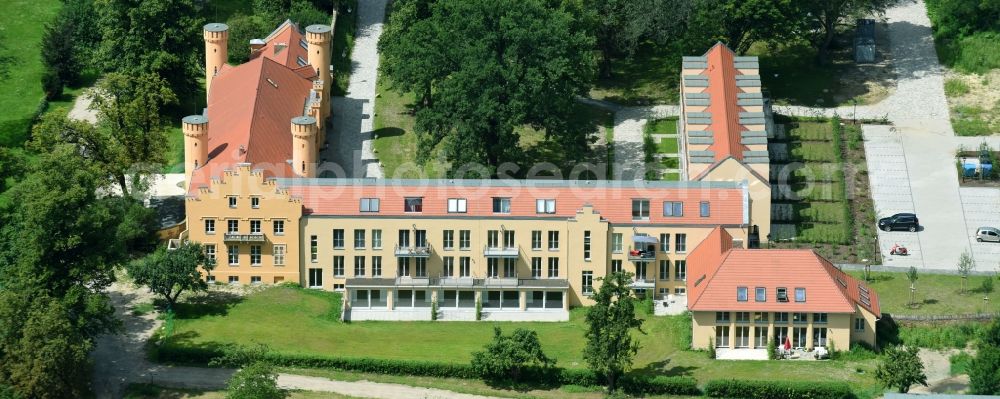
(523, 249)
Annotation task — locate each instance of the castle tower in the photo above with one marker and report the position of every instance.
(318, 37)
(195, 128)
(304, 131)
(216, 51)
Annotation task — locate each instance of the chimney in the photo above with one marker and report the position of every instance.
(255, 46)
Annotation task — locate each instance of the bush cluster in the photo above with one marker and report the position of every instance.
(638, 384)
(755, 389)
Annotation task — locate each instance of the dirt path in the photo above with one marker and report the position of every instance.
(937, 367)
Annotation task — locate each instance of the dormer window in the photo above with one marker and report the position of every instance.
(413, 204)
(501, 205)
(760, 294)
(800, 295)
(782, 294)
(741, 294)
(545, 206)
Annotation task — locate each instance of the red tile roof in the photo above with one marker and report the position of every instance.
(250, 108)
(283, 46)
(715, 270)
(725, 112)
(341, 197)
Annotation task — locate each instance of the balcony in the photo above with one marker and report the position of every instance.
(237, 237)
(500, 282)
(413, 251)
(635, 255)
(643, 283)
(407, 281)
(500, 252)
(455, 281)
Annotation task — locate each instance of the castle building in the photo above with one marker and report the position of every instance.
(521, 249)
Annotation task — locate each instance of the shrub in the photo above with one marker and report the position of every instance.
(772, 348)
(984, 371)
(52, 85)
(255, 381)
(711, 348)
(755, 389)
(959, 363)
(434, 311)
(642, 385)
(955, 87)
(507, 357)
(900, 368)
(940, 336)
(479, 309)
(859, 351)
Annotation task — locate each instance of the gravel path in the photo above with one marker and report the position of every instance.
(81, 109)
(351, 136)
(630, 123)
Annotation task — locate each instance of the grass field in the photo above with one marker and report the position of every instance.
(264, 316)
(21, 33)
(936, 294)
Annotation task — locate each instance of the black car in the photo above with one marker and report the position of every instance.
(899, 221)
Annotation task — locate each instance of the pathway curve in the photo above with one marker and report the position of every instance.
(120, 360)
(350, 137)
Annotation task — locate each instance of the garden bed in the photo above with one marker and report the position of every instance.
(827, 190)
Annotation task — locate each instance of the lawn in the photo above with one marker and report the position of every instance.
(663, 126)
(175, 150)
(21, 34)
(265, 316)
(650, 76)
(936, 294)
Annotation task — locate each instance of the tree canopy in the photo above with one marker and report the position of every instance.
(508, 356)
(169, 273)
(900, 368)
(484, 68)
(610, 346)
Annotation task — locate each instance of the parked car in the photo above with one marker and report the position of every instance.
(991, 234)
(899, 221)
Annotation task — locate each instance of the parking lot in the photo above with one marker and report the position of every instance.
(891, 193)
(982, 208)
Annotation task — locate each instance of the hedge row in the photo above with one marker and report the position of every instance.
(753, 389)
(637, 384)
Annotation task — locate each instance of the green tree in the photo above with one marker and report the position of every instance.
(304, 13)
(984, 371)
(406, 45)
(507, 357)
(991, 334)
(152, 36)
(824, 16)
(499, 64)
(243, 28)
(741, 23)
(169, 273)
(59, 53)
(965, 266)
(59, 245)
(911, 275)
(257, 380)
(610, 321)
(130, 141)
(900, 368)
(11, 166)
(43, 350)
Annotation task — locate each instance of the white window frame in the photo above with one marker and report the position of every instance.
(255, 203)
(377, 238)
(545, 206)
(501, 205)
(643, 209)
(256, 254)
(209, 226)
(457, 205)
(278, 226)
(369, 205)
(673, 209)
(232, 201)
(278, 253)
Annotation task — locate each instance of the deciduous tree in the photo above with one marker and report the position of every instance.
(823, 16)
(257, 380)
(170, 273)
(610, 321)
(900, 368)
(741, 23)
(508, 356)
(499, 64)
(984, 371)
(965, 266)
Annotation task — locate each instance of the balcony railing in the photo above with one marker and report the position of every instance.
(237, 237)
(641, 255)
(500, 252)
(500, 281)
(644, 283)
(413, 251)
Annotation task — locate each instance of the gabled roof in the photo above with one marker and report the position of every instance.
(722, 91)
(284, 45)
(716, 269)
(718, 163)
(613, 200)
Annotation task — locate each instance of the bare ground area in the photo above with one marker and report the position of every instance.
(974, 102)
(939, 379)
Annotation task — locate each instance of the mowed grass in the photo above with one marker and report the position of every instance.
(21, 34)
(294, 320)
(936, 294)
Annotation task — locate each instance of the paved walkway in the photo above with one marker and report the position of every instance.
(630, 123)
(350, 135)
(81, 108)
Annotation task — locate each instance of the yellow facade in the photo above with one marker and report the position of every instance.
(754, 330)
(266, 225)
